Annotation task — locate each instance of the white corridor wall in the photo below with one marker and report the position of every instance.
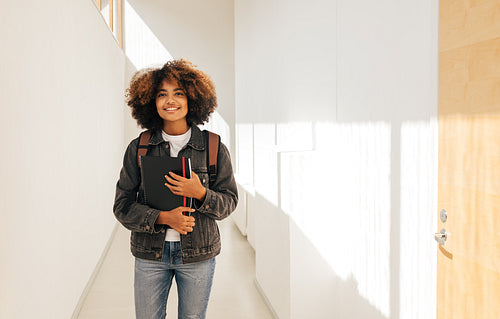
(61, 97)
(336, 105)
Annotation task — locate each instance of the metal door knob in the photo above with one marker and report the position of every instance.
(441, 236)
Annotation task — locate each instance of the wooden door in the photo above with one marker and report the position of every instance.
(468, 267)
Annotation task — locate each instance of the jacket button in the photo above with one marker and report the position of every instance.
(147, 227)
(207, 206)
(157, 255)
(163, 230)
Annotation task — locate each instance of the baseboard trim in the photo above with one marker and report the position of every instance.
(93, 276)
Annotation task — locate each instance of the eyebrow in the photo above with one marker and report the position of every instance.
(176, 89)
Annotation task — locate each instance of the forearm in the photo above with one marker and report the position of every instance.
(202, 194)
(132, 215)
(164, 218)
(218, 205)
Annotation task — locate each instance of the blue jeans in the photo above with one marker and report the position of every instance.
(153, 279)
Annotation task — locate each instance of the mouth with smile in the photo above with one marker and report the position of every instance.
(171, 109)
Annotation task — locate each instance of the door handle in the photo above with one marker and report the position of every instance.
(441, 236)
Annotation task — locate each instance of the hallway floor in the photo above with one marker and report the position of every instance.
(234, 294)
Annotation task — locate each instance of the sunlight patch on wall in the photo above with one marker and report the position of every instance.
(141, 45)
(244, 154)
(294, 136)
(339, 195)
(105, 10)
(418, 218)
(266, 162)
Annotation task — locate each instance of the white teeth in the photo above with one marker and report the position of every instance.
(171, 108)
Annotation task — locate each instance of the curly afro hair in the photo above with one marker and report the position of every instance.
(199, 89)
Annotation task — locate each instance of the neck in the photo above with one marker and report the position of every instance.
(177, 128)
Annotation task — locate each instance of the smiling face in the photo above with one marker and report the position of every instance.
(172, 106)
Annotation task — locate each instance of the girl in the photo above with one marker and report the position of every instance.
(170, 102)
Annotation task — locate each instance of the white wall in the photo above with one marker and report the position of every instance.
(335, 129)
(202, 32)
(61, 97)
(131, 129)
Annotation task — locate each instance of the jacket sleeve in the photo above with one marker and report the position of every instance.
(134, 216)
(222, 196)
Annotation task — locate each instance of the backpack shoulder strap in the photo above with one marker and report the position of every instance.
(212, 154)
(142, 150)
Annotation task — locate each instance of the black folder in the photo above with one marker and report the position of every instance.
(153, 171)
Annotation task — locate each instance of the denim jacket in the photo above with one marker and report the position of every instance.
(147, 238)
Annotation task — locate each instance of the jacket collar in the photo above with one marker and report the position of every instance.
(196, 141)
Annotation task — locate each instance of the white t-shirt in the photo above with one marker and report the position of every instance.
(177, 142)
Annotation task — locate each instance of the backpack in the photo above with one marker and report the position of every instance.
(212, 139)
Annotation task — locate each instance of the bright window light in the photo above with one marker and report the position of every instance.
(141, 45)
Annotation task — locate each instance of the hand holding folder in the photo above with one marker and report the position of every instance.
(177, 219)
(190, 187)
